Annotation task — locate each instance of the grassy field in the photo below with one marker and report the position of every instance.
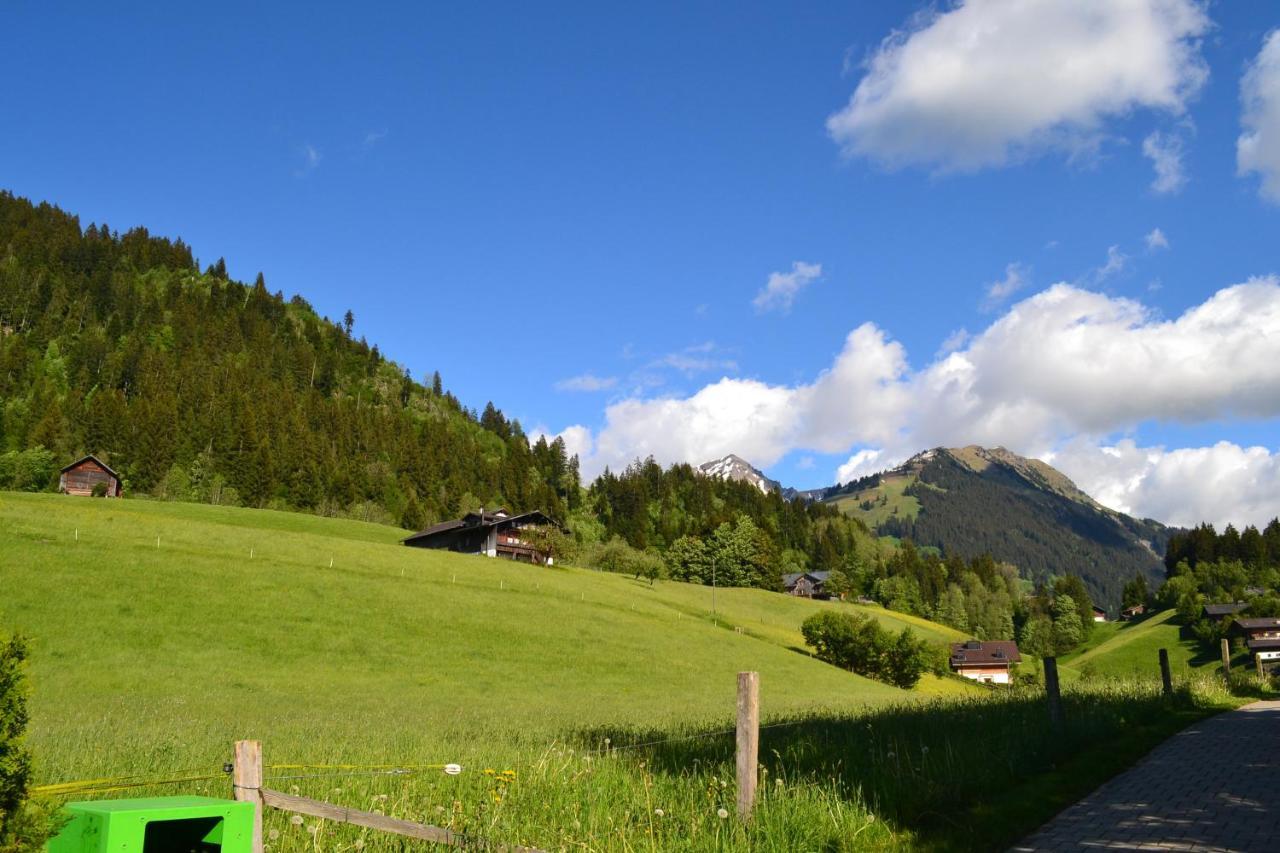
(1133, 648)
(163, 632)
(896, 504)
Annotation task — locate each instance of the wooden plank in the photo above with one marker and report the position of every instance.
(372, 820)
(1226, 656)
(1053, 693)
(748, 758)
(246, 783)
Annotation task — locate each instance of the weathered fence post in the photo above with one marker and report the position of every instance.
(1257, 660)
(1053, 693)
(1226, 656)
(246, 783)
(1166, 678)
(748, 741)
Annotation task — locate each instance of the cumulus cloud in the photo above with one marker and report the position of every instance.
(1015, 278)
(587, 382)
(1219, 484)
(1156, 240)
(1258, 148)
(1165, 151)
(781, 289)
(985, 82)
(1064, 364)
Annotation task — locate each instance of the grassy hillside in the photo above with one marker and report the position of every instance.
(164, 631)
(236, 617)
(1133, 648)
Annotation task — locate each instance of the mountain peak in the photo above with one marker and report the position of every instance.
(734, 467)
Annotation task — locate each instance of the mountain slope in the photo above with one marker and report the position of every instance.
(973, 500)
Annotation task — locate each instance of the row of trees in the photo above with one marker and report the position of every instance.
(1255, 549)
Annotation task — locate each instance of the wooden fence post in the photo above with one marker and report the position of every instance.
(246, 783)
(748, 741)
(1226, 657)
(1257, 660)
(1053, 693)
(1166, 678)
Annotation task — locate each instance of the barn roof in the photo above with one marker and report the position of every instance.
(1256, 623)
(480, 520)
(989, 652)
(91, 458)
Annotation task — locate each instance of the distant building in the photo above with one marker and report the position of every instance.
(1262, 637)
(493, 534)
(1218, 612)
(807, 584)
(987, 661)
(81, 476)
(1131, 613)
(1099, 615)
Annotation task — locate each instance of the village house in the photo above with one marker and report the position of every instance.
(1219, 612)
(1262, 638)
(81, 476)
(987, 661)
(1133, 612)
(1099, 615)
(493, 534)
(806, 584)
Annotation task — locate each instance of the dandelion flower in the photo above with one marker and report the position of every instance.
(659, 812)
(296, 820)
(293, 789)
(359, 845)
(723, 813)
(273, 834)
(925, 750)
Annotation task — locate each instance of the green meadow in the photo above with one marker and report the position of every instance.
(1133, 649)
(590, 711)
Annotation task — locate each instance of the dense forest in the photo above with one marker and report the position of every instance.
(1207, 567)
(197, 387)
(1044, 533)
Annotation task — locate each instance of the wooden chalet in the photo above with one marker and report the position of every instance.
(1099, 615)
(1262, 638)
(807, 584)
(1131, 613)
(1219, 612)
(493, 534)
(987, 661)
(81, 476)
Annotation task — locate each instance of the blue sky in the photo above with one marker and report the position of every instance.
(532, 199)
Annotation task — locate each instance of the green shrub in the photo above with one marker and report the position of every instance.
(25, 824)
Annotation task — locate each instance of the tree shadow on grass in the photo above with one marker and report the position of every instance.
(931, 768)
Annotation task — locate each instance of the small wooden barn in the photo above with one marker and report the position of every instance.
(493, 534)
(81, 476)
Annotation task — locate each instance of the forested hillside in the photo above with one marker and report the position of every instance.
(973, 501)
(197, 387)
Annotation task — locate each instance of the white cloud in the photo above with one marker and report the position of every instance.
(705, 357)
(1116, 262)
(782, 287)
(1064, 364)
(1156, 240)
(587, 382)
(1165, 151)
(373, 137)
(862, 463)
(985, 82)
(311, 158)
(1219, 484)
(1015, 278)
(954, 341)
(1258, 148)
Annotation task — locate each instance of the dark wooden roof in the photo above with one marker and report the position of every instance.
(90, 458)
(1263, 643)
(1258, 623)
(985, 653)
(477, 520)
(1224, 609)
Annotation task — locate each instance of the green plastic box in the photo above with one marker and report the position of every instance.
(157, 825)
